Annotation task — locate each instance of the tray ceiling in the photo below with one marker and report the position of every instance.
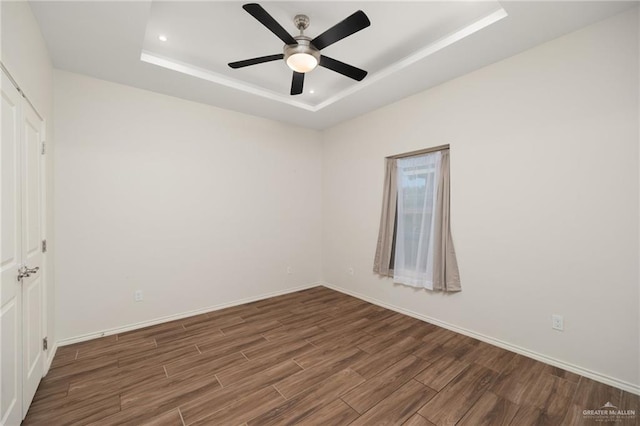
(409, 47)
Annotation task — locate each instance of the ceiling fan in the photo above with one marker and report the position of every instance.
(301, 53)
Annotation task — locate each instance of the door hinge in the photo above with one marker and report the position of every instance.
(43, 147)
(45, 344)
(44, 246)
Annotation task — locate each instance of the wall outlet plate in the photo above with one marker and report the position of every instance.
(557, 322)
(137, 296)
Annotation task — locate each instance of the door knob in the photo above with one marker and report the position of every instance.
(24, 271)
(31, 270)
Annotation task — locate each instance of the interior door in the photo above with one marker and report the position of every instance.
(21, 258)
(32, 290)
(10, 257)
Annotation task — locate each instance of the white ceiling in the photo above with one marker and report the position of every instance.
(409, 47)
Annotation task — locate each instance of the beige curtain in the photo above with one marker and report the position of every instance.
(446, 276)
(382, 263)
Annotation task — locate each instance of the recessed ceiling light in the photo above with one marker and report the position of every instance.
(162, 37)
(312, 91)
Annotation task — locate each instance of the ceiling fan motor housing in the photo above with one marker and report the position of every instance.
(301, 62)
(304, 46)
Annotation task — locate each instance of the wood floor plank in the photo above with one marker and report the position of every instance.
(277, 303)
(230, 345)
(381, 327)
(170, 418)
(517, 378)
(452, 402)
(149, 332)
(250, 327)
(375, 363)
(197, 338)
(48, 390)
(80, 413)
(182, 333)
(348, 339)
(292, 331)
(244, 409)
(629, 401)
(61, 404)
(461, 347)
(417, 420)
(303, 319)
(490, 410)
(590, 395)
(310, 357)
(356, 319)
(377, 343)
(209, 402)
(430, 351)
(93, 343)
(64, 355)
(404, 327)
(368, 394)
(122, 380)
(311, 376)
(443, 370)
(235, 374)
(334, 413)
(274, 347)
(563, 374)
(489, 356)
(531, 416)
(213, 323)
(266, 315)
(169, 393)
(118, 349)
(298, 408)
(417, 329)
(205, 363)
(156, 356)
(439, 336)
(322, 355)
(550, 394)
(232, 311)
(87, 368)
(397, 407)
(329, 339)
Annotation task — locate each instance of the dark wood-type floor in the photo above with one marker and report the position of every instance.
(312, 357)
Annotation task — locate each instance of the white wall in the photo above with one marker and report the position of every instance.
(195, 205)
(25, 56)
(544, 157)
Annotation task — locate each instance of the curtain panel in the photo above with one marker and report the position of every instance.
(415, 245)
(446, 276)
(382, 263)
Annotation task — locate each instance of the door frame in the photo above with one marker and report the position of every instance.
(43, 236)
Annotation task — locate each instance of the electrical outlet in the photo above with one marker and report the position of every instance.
(557, 322)
(351, 271)
(289, 270)
(137, 296)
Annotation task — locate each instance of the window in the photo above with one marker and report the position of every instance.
(414, 243)
(415, 203)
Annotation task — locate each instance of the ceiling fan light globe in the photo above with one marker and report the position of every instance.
(302, 62)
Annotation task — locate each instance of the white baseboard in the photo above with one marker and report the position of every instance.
(142, 324)
(612, 381)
